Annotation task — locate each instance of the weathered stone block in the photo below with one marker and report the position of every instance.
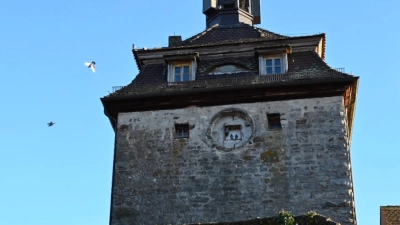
(158, 177)
(270, 156)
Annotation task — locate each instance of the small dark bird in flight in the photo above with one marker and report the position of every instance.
(50, 124)
(91, 65)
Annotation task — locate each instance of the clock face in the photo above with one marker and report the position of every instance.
(231, 128)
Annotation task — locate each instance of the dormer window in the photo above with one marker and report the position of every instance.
(273, 59)
(275, 64)
(182, 71)
(181, 67)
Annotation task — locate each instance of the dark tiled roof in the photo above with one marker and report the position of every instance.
(390, 215)
(229, 34)
(152, 73)
(305, 65)
(249, 63)
(300, 61)
(222, 76)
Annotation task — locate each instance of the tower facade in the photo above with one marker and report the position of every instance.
(234, 123)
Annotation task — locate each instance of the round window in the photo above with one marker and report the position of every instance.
(231, 128)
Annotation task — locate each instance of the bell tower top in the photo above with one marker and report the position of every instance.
(226, 12)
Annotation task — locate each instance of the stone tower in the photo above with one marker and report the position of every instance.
(234, 123)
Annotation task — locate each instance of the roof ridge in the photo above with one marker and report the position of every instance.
(234, 33)
(320, 59)
(198, 35)
(226, 26)
(268, 31)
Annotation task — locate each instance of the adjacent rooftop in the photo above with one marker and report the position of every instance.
(390, 215)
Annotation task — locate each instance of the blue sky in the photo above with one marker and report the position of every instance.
(62, 174)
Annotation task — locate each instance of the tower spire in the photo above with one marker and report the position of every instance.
(225, 12)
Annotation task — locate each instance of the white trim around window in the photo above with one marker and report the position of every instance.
(181, 72)
(273, 64)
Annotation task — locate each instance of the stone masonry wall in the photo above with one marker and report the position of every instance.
(160, 179)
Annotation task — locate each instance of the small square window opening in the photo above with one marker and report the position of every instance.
(181, 130)
(274, 121)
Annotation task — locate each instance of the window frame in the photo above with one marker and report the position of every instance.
(192, 71)
(274, 65)
(182, 66)
(182, 127)
(263, 63)
(274, 121)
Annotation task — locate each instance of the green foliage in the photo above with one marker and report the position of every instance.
(311, 214)
(284, 218)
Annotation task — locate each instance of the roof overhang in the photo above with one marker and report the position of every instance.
(350, 100)
(231, 95)
(275, 49)
(190, 56)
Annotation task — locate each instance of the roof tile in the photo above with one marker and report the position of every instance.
(229, 34)
(250, 63)
(390, 215)
(152, 73)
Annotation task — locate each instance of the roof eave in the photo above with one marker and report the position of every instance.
(323, 46)
(112, 104)
(113, 121)
(210, 44)
(352, 107)
(284, 84)
(138, 62)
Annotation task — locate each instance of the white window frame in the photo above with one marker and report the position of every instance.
(192, 71)
(263, 66)
(181, 66)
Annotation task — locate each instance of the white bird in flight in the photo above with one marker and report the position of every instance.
(91, 65)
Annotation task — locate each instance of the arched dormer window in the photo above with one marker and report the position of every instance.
(227, 69)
